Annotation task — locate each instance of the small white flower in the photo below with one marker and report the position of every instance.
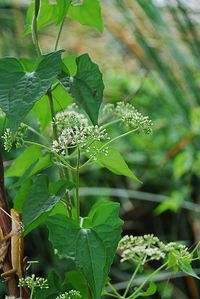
(141, 248)
(70, 119)
(148, 248)
(180, 251)
(33, 282)
(129, 115)
(108, 108)
(74, 130)
(14, 138)
(70, 295)
(8, 139)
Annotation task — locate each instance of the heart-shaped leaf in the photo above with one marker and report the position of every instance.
(20, 89)
(92, 247)
(88, 13)
(86, 86)
(50, 12)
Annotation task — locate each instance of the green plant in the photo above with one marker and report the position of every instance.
(32, 283)
(142, 250)
(68, 139)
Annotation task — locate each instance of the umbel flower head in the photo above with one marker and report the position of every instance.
(33, 282)
(148, 247)
(70, 295)
(141, 248)
(130, 116)
(74, 130)
(14, 138)
(70, 119)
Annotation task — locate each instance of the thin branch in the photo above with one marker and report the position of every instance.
(59, 34)
(35, 28)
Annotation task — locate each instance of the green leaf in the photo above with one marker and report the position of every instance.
(60, 185)
(49, 13)
(64, 240)
(78, 282)
(151, 290)
(173, 203)
(42, 112)
(42, 163)
(195, 120)
(172, 261)
(41, 109)
(86, 87)
(54, 287)
(70, 62)
(59, 208)
(21, 194)
(112, 160)
(89, 13)
(38, 204)
(106, 223)
(63, 6)
(182, 164)
(90, 256)
(21, 89)
(93, 247)
(187, 268)
(23, 161)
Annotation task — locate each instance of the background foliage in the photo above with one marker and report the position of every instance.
(149, 53)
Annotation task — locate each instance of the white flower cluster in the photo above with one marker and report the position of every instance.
(8, 139)
(33, 282)
(109, 107)
(148, 247)
(14, 138)
(130, 116)
(74, 130)
(179, 251)
(70, 295)
(70, 119)
(142, 248)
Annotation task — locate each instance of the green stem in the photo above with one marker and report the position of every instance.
(55, 131)
(54, 86)
(110, 294)
(62, 170)
(195, 248)
(59, 34)
(32, 291)
(35, 29)
(146, 280)
(50, 97)
(107, 143)
(38, 134)
(77, 186)
(63, 173)
(51, 151)
(114, 290)
(131, 280)
(111, 123)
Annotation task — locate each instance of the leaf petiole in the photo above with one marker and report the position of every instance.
(51, 151)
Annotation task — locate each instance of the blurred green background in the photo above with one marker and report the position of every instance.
(149, 52)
